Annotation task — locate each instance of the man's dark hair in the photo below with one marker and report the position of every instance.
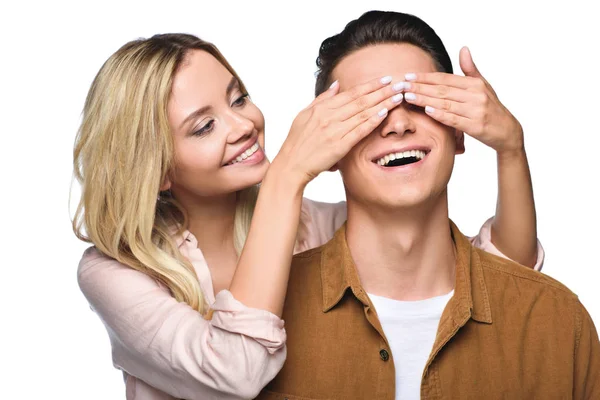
(378, 27)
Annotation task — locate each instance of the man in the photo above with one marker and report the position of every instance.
(399, 304)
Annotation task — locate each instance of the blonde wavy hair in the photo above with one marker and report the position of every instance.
(123, 152)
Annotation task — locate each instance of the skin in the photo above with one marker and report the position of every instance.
(321, 135)
(204, 143)
(206, 186)
(401, 213)
(412, 186)
(470, 104)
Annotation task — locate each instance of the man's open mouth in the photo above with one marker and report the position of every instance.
(403, 158)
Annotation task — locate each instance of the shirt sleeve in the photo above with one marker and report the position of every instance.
(586, 383)
(484, 241)
(231, 354)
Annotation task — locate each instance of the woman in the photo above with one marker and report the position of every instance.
(169, 117)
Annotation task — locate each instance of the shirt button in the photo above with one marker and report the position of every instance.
(384, 355)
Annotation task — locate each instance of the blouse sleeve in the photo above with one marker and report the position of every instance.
(319, 221)
(483, 240)
(231, 355)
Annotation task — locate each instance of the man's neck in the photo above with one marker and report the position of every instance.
(404, 254)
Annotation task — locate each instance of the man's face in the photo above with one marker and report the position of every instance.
(423, 147)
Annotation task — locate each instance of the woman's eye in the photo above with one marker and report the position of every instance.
(241, 101)
(205, 129)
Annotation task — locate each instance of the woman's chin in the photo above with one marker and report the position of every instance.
(255, 176)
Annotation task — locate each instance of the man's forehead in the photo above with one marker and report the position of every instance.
(381, 60)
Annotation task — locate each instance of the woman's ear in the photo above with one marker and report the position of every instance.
(166, 185)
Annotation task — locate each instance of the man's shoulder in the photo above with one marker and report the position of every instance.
(499, 270)
(306, 269)
(307, 260)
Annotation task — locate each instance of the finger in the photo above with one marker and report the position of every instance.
(442, 92)
(357, 92)
(362, 130)
(463, 109)
(370, 100)
(329, 93)
(467, 65)
(452, 120)
(365, 122)
(442, 78)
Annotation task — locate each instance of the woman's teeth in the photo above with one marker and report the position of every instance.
(418, 154)
(246, 154)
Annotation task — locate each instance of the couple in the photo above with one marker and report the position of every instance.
(399, 304)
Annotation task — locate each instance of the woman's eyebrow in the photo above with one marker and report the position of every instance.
(194, 114)
(233, 84)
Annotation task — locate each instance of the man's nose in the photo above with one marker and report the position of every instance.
(399, 121)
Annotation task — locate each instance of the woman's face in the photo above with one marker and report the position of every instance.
(218, 132)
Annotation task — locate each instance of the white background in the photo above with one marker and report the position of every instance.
(540, 59)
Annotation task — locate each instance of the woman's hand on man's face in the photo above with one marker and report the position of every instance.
(467, 103)
(324, 132)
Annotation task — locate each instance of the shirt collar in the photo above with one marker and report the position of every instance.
(338, 274)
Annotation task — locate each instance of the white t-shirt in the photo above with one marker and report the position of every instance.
(410, 328)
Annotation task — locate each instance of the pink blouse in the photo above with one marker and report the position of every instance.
(167, 350)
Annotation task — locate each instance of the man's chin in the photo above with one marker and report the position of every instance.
(406, 200)
(404, 203)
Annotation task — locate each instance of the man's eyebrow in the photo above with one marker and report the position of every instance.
(233, 83)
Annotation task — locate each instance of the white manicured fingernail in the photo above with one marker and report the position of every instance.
(383, 112)
(385, 80)
(410, 76)
(429, 109)
(334, 84)
(397, 98)
(398, 86)
(410, 96)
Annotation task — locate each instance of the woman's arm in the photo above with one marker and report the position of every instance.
(174, 348)
(469, 104)
(514, 230)
(261, 277)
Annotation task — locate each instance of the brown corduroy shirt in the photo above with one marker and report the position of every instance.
(507, 333)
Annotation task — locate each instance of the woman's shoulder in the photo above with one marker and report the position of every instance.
(319, 221)
(93, 258)
(99, 275)
(100, 272)
(324, 210)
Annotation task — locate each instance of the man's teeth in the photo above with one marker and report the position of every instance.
(419, 154)
(245, 154)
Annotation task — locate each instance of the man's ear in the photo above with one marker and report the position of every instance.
(460, 141)
(166, 185)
